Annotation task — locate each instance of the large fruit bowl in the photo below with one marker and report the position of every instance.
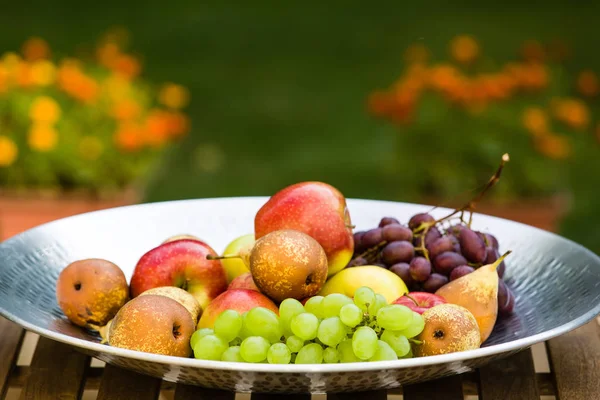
(555, 281)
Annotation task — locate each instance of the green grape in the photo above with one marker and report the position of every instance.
(254, 349)
(351, 315)
(384, 352)
(395, 317)
(312, 353)
(285, 328)
(210, 347)
(380, 302)
(409, 354)
(331, 355)
(294, 343)
(397, 342)
(305, 326)
(346, 353)
(289, 308)
(279, 353)
(314, 305)
(415, 328)
(199, 334)
(333, 303)
(244, 333)
(232, 354)
(263, 322)
(364, 342)
(228, 324)
(331, 331)
(363, 297)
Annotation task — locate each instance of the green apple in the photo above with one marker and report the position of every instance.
(240, 247)
(382, 281)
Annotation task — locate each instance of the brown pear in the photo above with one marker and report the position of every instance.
(179, 295)
(478, 293)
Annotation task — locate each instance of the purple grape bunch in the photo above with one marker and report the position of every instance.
(427, 256)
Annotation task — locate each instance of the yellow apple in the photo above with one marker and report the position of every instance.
(382, 281)
(236, 266)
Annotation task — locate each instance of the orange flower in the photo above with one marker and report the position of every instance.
(157, 127)
(535, 121)
(107, 54)
(3, 79)
(35, 49)
(72, 80)
(572, 112)
(416, 54)
(380, 103)
(174, 96)
(44, 109)
(126, 109)
(533, 51)
(43, 73)
(554, 146)
(8, 151)
(129, 137)
(587, 83)
(444, 77)
(178, 124)
(128, 66)
(464, 49)
(23, 75)
(42, 137)
(90, 148)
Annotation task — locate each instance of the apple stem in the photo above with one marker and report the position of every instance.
(410, 297)
(211, 257)
(350, 226)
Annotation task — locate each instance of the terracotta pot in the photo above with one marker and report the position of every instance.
(25, 210)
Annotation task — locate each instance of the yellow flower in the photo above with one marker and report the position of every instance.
(3, 79)
(11, 61)
(126, 109)
(116, 87)
(43, 73)
(535, 121)
(554, 146)
(587, 83)
(174, 96)
(572, 112)
(42, 137)
(464, 49)
(44, 109)
(35, 48)
(90, 148)
(8, 151)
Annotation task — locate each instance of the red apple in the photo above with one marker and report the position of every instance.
(420, 301)
(241, 300)
(181, 263)
(316, 209)
(243, 281)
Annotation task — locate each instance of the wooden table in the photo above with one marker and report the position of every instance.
(58, 371)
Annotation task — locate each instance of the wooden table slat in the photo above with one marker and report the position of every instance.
(370, 395)
(189, 392)
(511, 378)
(122, 384)
(447, 388)
(58, 371)
(575, 362)
(11, 338)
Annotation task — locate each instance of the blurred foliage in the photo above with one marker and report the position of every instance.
(458, 114)
(90, 123)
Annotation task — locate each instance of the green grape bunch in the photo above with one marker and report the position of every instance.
(331, 329)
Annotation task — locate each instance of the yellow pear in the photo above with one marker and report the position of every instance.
(478, 293)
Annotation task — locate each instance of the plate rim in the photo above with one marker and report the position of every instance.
(189, 362)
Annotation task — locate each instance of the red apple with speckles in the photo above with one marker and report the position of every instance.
(420, 301)
(181, 263)
(316, 209)
(243, 281)
(240, 300)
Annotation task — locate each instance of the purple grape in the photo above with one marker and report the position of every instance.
(420, 269)
(454, 230)
(434, 282)
(506, 300)
(403, 271)
(491, 256)
(372, 238)
(432, 234)
(399, 251)
(440, 245)
(472, 246)
(459, 271)
(358, 261)
(489, 239)
(358, 243)
(388, 221)
(417, 219)
(394, 232)
(444, 263)
(500, 270)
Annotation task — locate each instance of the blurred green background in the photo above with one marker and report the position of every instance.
(279, 90)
